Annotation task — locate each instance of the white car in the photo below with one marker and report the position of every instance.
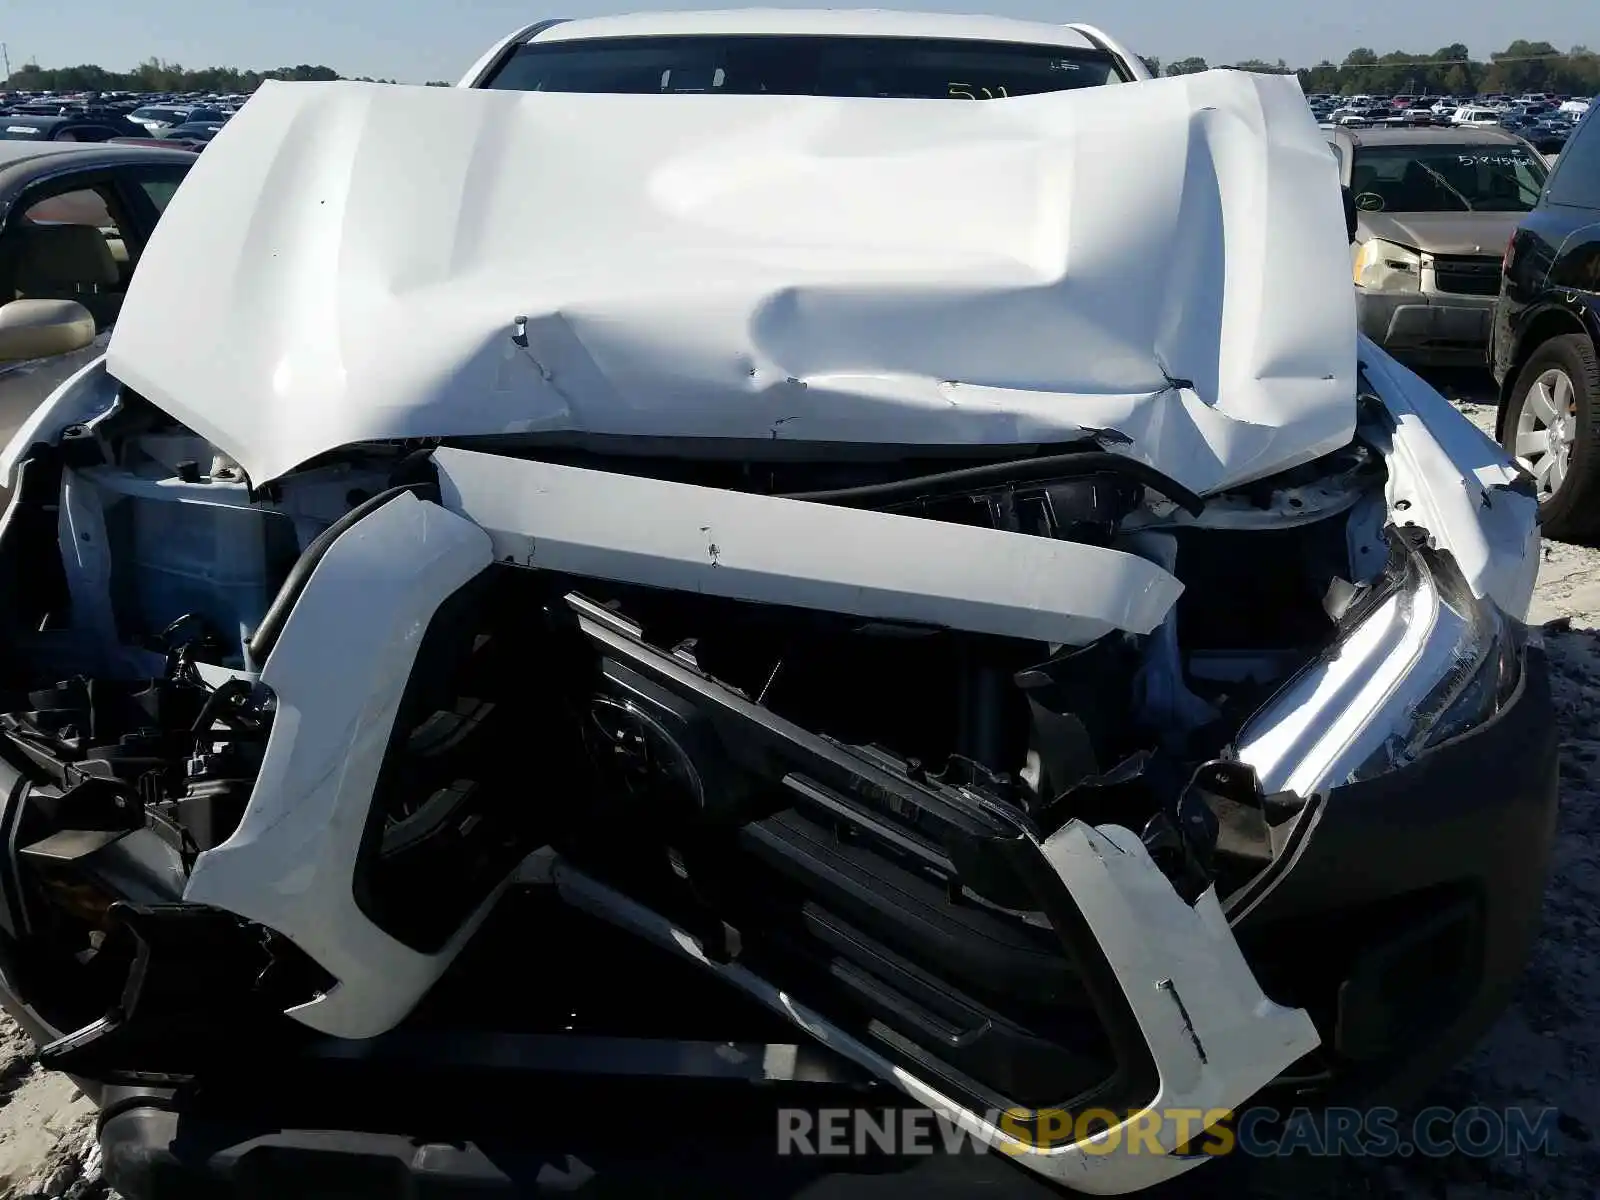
(933, 573)
(159, 117)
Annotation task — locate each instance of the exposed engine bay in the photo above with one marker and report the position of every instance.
(847, 806)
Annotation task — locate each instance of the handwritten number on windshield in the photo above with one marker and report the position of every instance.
(965, 91)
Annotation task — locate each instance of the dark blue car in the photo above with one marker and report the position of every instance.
(70, 128)
(1545, 343)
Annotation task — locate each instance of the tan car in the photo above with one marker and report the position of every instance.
(73, 222)
(1435, 209)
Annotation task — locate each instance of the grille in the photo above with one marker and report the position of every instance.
(1467, 276)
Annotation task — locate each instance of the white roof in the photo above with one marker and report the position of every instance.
(833, 21)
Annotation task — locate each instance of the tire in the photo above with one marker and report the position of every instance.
(1562, 374)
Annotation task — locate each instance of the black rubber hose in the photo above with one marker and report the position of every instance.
(225, 694)
(1001, 474)
(266, 634)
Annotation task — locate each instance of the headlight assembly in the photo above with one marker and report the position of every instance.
(1382, 266)
(1420, 660)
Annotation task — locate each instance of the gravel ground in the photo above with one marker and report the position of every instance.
(1544, 1053)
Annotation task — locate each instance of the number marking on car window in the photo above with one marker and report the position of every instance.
(965, 91)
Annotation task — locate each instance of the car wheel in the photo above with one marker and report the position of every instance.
(1552, 428)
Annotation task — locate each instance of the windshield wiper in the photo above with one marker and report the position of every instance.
(1445, 183)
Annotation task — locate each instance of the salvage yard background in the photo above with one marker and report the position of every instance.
(1544, 1053)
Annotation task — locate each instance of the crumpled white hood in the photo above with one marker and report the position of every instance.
(349, 262)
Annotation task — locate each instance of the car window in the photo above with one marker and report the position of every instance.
(159, 192)
(1575, 182)
(83, 207)
(1447, 178)
(914, 68)
(71, 244)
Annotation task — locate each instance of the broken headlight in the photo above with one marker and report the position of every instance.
(1382, 266)
(1419, 661)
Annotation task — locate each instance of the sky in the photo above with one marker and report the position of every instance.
(415, 42)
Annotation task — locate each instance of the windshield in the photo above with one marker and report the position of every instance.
(1461, 178)
(159, 114)
(914, 68)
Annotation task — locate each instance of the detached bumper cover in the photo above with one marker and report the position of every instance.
(1479, 813)
(1472, 819)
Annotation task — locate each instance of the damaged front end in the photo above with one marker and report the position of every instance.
(979, 775)
(1172, 740)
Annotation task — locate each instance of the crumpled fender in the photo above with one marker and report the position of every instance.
(87, 393)
(1450, 478)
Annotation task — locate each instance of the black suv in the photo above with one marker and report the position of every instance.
(1545, 342)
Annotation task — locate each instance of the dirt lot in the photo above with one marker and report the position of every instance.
(1544, 1053)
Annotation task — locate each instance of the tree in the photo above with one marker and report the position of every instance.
(1262, 67)
(154, 75)
(1522, 66)
(1187, 66)
(1320, 79)
(1153, 65)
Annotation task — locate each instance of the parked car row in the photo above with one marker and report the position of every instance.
(1544, 121)
(171, 121)
(1470, 248)
(1448, 106)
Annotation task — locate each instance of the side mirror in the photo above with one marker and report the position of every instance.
(43, 328)
(1350, 222)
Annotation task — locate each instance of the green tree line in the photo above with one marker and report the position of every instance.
(156, 75)
(1523, 66)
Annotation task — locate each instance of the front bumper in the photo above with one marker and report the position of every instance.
(1424, 325)
(1400, 920)
(1404, 918)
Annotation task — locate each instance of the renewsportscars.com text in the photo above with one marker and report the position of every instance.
(1259, 1132)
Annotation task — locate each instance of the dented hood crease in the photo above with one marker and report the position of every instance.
(356, 262)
